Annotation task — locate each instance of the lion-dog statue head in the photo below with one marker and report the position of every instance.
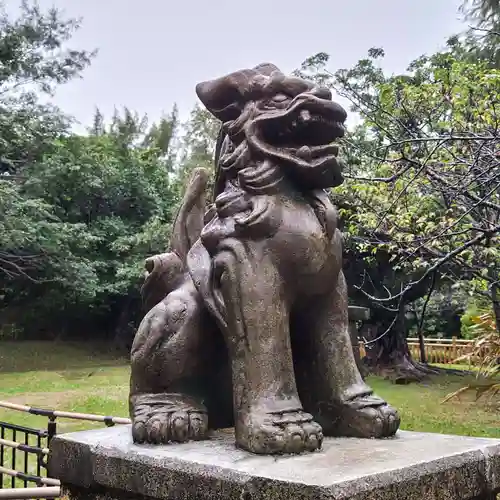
(269, 118)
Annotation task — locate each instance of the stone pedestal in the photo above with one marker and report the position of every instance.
(105, 464)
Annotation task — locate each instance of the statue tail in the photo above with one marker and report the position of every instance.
(165, 272)
(190, 217)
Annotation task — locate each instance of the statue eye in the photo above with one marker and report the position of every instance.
(280, 98)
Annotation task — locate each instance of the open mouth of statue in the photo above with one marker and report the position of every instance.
(305, 132)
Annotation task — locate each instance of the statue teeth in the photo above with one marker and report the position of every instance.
(305, 115)
(305, 153)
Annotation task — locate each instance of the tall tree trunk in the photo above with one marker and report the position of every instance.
(495, 299)
(420, 333)
(421, 345)
(389, 354)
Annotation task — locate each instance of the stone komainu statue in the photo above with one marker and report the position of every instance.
(247, 316)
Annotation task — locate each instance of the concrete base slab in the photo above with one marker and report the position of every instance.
(105, 464)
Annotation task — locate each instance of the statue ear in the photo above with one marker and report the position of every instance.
(221, 97)
(225, 97)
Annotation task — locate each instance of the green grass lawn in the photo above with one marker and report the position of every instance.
(92, 379)
(71, 377)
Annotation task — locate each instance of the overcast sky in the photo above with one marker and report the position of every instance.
(153, 52)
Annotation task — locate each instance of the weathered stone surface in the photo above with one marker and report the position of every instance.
(105, 464)
(246, 320)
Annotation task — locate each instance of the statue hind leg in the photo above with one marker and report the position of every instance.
(177, 361)
(180, 378)
(330, 385)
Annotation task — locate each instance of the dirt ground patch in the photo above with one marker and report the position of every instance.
(57, 400)
(50, 400)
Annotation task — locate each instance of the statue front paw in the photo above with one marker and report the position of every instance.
(165, 418)
(279, 433)
(365, 416)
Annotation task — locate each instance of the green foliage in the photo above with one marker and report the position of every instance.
(198, 145)
(32, 48)
(420, 206)
(482, 40)
(27, 131)
(39, 253)
(420, 199)
(113, 207)
(483, 12)
(30, 233)
(33, 55)
(422, 192)
(475, 309)
(81, 213)
(443, 313)
(132, 130)
(485, 352)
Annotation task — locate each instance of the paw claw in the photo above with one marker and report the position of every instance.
(160, 419)
(139, 432)
(198, 426)
(279, 442)
(180, 427)
(312, 443)
(314, 436)
(165, 430)
(154, 435)
(293, 432)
